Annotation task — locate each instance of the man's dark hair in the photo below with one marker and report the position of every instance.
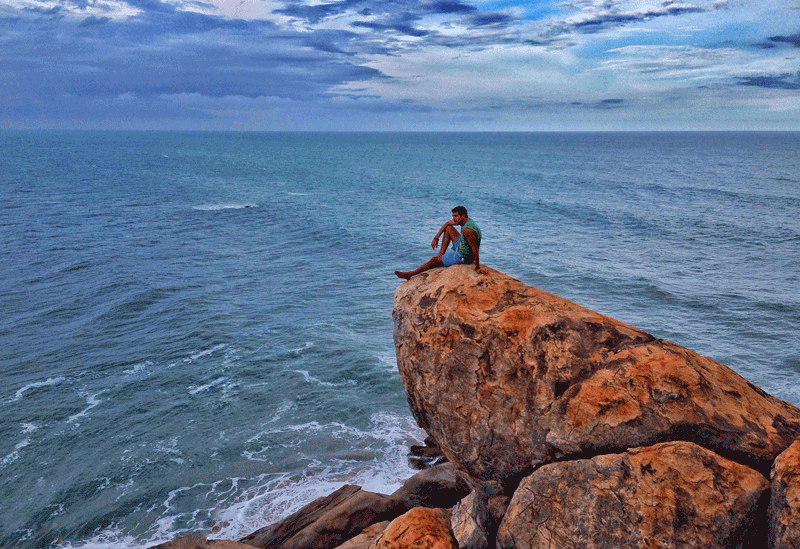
(460, 210)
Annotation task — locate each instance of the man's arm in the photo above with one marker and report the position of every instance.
(472, 240)
(435, 241)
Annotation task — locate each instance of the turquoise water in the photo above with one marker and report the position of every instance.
(196, 329)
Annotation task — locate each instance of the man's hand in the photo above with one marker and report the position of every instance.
(435, 242)
(481, 271)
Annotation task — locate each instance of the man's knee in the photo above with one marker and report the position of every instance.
(452, 233)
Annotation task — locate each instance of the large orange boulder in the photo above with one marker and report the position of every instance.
(507, 378)
(674, 494)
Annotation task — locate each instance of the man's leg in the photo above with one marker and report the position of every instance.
(450, 235)
(435, 261)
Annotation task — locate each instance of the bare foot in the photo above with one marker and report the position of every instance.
(402, 275)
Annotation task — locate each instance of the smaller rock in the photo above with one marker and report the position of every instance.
(469, 522)
(477, 517)
(422, 457)
(366, 537)
(438, 486)
(420, 528)
(429, 455)
(784, 506)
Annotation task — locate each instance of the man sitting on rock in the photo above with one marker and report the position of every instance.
(463, 248)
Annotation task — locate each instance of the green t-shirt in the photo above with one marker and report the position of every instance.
(463, 246)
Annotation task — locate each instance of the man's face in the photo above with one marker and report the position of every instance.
(458, 220)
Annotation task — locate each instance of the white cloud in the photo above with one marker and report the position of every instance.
(98, 8)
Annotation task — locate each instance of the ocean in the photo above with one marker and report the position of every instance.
(196, 328)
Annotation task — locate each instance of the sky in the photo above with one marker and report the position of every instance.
(400, 65)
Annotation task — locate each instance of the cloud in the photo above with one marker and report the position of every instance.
(315, 13)
(402, 26)
(609, 103)
(92, 21)
(400, 12)
(451, 7)
(779, 82)
(793, 40)
(608, 14)
(612, 19)
(485, 19)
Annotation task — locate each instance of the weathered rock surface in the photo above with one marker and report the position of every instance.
(437, 486)
(420, 528)
(507, 377)
(784, 507)
(671, 495)
(367, 536)
(471, 523)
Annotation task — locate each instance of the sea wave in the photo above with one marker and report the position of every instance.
(234, 507)
(36, 385)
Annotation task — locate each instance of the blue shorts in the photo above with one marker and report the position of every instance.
(451, 256)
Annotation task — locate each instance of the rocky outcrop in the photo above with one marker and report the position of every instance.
(507, 378)
(563, 428)
(784, 507)
(673, 494)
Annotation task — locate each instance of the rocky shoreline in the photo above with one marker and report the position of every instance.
(551, 425)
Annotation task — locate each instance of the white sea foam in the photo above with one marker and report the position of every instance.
(170, 449)
(139, 368)
(109, 538)
(22, 444)
(388, 359)
(206, 352)
(92, 401)
(27, 428)
(50, 382)
(311, 379)
(283, 408)
(14, 456)
(194, 389)
(305, 347)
